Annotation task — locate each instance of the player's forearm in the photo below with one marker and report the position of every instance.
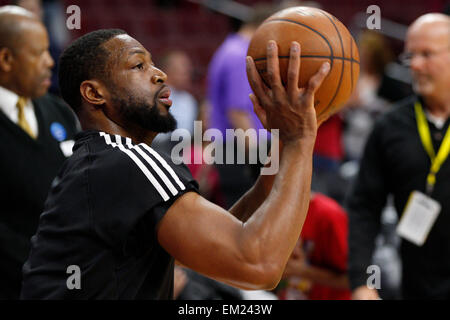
(252, 199)
(270, 234)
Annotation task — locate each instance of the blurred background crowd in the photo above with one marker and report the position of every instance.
(201, 46)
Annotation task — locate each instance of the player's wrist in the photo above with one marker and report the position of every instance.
(304, 142)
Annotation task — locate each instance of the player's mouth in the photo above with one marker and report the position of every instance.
(163, 97)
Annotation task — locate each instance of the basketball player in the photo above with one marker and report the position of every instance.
(119, 212)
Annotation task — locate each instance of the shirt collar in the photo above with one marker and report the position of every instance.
(437, 121)
(8, 101)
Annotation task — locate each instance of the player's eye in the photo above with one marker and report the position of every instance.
(139, 66)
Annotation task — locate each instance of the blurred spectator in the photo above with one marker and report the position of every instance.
(178, 67)
(231, 108)
(327, 158)
(34, 6)
(295, 3)
(36, 131)
(369, 100)
(52, 14)
(397, 160)
(205, 174)
(317, 269)
(366, 104)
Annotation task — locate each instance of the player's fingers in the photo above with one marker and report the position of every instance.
(256, 83)
(293, 69)
(317, 79)
(273, 70)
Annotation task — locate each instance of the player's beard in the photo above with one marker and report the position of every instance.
(138, 111)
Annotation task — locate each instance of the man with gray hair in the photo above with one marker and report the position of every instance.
(407, 156)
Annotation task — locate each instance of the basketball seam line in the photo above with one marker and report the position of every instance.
(351, 64)
(343, 64)
(312, 56)
(308, 27)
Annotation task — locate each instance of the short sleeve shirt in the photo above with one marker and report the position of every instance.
(97, 236)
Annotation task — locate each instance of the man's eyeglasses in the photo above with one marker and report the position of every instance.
(406, 57)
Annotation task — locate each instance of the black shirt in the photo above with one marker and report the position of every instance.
(395, 162)
(101, 216)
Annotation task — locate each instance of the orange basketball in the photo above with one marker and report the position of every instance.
(322, 38)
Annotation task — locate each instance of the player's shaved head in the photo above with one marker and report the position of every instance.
(14, 21)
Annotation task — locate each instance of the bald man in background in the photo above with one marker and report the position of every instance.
(36, 131)
(407, 156)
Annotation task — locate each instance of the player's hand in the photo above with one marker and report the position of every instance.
(365, 293)
(290, 109)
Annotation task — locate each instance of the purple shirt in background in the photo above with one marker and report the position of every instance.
(228, 86)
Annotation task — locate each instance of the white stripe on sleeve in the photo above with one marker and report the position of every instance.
(152, 163)
(139, 163)
(165, 165)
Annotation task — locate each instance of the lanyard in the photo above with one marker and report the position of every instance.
(436, 159)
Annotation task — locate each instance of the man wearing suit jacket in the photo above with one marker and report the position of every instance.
(36, 131)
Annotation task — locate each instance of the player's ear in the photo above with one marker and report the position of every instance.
(93, 92)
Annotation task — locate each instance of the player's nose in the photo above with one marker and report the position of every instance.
(159, 76)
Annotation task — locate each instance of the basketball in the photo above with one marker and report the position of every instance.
(322, 38)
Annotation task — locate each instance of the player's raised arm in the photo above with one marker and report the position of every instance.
(253, 254)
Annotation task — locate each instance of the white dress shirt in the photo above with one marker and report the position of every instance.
(8, 101)
(437, 121)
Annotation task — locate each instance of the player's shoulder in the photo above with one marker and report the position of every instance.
(179, 167)
(118, 159)
(112, 151)
(116, 150)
